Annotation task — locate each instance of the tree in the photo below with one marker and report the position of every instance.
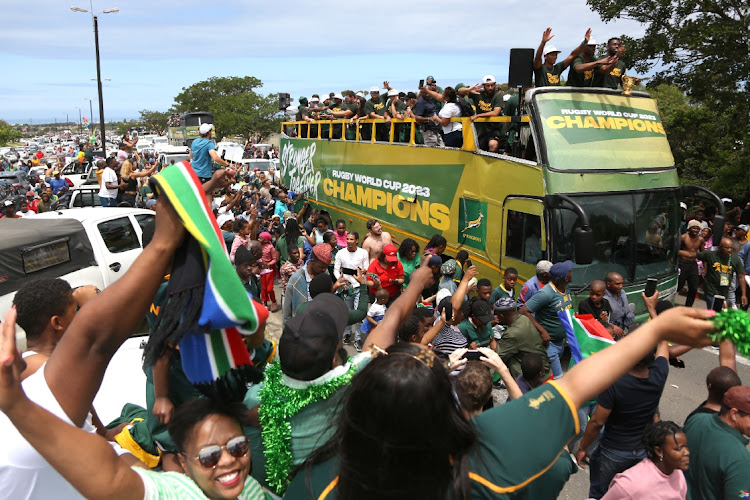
(154, 120)
(702, 47)
(237, 108)
(8, 134)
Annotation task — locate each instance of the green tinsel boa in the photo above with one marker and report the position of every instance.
(279, 403)
(734, 325)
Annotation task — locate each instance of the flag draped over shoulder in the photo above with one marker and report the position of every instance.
(585, 334)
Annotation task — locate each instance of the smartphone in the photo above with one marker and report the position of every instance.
(468, 263)
(472, 355)
(421, 84)
(650, 287)
(348, 270)
(718, 304)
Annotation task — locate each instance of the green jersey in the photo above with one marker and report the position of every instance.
(611, 80)
(719, 271)
(576, 79)
(545, 304)
(482, 337)
(483, 103)
(544, 76)
(376, 106)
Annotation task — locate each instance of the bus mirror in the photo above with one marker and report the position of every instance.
(718, 229)
(584, 245)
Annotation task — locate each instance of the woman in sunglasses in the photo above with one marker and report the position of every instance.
(213, 451)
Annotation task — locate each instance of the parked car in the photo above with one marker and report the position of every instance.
(85, 246)
(18, 178)
(77, 172)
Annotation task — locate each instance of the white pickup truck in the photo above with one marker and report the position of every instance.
(83, 246)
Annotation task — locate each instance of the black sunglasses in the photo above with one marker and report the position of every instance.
(209, 456)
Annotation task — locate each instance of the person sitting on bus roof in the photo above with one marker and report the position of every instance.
(203, 154)
(547, 72)
(488, 103)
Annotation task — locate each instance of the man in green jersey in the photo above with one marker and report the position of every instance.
(345, 109)
(547, 72)
(488, 103)
(720, 267)
(610, 75)
(584, 66)
(375, 108)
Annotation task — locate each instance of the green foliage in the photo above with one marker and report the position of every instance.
(154, 120)
(8, 134)
(703, 144)
(701, 46)
(237, 108)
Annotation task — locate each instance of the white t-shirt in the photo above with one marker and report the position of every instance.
(352, 260)
(110, 176)
(451, 110)
(376, 310)
(24, 473)
(30, 213)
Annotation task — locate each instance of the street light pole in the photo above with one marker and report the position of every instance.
(80, 121)
(99, 87)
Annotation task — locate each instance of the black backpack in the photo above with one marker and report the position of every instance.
(466, 108)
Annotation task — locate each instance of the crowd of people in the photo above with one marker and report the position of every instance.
(411, 414)
(432, 106)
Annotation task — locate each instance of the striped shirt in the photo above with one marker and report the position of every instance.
(448, 339)
(176, 486)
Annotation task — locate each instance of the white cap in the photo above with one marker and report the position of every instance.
(549, 49)
(506, 97)
(338, 96)
(488, 79)
(360, 94)
(315, 99)
(592, 42)
(222, 218)
(205, 128)
(683, 205)
(7, 203)
(392, 92)
(374, 89)
(726, 200)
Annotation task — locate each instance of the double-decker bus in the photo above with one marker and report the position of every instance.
(602, 186)
(183, 129)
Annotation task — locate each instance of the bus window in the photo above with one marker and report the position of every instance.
(523, 237)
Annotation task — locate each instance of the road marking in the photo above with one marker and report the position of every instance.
(740, 359)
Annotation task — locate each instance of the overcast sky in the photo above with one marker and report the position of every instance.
(152, 49)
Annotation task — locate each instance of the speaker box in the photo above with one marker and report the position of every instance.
(284, 101)
(521, 68)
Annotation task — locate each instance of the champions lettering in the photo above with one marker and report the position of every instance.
(433, 214)
(609, 122)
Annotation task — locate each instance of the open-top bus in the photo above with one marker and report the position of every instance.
(602, 191)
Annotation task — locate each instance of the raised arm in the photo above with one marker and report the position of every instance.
(457, 300)
(385, 333)
(103, 324)
(546, 37)
(578, 49)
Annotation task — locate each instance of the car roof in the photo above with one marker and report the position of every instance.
(87, 213)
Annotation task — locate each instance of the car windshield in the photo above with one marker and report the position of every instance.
(635, 234)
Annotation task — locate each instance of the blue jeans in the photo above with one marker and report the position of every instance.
(108, 202)
(555, 351)
(605, 463)
(584, 413)
(352, 302)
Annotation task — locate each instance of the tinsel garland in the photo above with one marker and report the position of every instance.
(734, 325)
(279, 403)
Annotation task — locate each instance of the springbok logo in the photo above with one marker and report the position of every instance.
(474, 223)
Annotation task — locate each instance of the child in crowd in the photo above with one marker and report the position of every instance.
(532, 369)
(241, 236)
(290, 266)
(375, 313)
(268, 271)
(599, 308)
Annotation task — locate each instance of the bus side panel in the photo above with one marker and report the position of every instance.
(414, 192)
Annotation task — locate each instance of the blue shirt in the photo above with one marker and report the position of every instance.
(280, 208)
(202, 162)
(744, 256)
(58, 185)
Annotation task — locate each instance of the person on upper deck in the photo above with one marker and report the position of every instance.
(547, 72)
(488, 103)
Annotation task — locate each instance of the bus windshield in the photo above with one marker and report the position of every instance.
(635, 234)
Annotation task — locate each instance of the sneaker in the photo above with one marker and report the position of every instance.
(358, 345)
(348, 338)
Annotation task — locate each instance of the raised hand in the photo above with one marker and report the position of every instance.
(12, 365)
(547, 35)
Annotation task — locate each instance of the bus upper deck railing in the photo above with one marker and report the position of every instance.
(469, 143)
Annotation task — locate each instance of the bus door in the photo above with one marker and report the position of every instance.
(524, 241)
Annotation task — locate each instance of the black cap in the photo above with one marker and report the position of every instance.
(242, 255)
(309, 340)
(481, 310)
